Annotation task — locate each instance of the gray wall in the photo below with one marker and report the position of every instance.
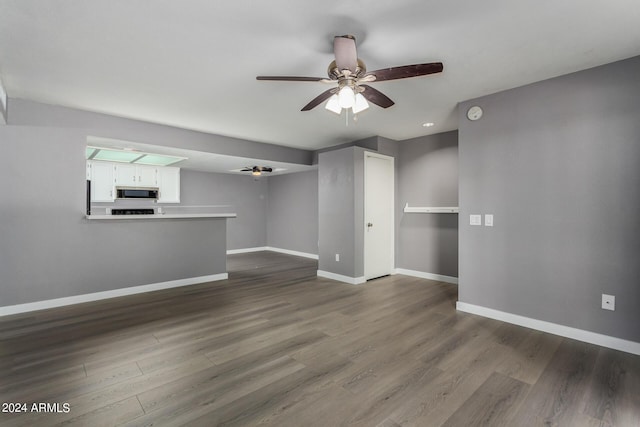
(341, 211)
(371, 143)
(427, 170)
(86, 252)
(389, 147)
(556, 162)
(292, 215)
(49, 250)
(244, 195)
(28, 113)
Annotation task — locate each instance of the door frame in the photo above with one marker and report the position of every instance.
(393, 220)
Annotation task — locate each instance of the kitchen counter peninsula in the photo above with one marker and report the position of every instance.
(128, 253)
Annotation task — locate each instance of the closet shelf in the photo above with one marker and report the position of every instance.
(430, 209)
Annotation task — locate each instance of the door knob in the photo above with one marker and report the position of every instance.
(369, 225)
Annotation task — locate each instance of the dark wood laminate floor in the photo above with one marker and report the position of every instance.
(276, 346)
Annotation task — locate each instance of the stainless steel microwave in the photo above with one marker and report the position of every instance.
(137, 193)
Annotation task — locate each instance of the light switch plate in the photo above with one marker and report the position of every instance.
(488, 220)
(475, 219)
(608, 302)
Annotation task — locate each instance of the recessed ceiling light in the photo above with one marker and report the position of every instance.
(131, 156)
(428, 124)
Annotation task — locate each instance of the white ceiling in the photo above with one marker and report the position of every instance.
(193, 63)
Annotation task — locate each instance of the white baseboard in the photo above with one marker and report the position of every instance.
(96, 296)
(290, 252)
(272, 249)
(246, 250)
(553, 328)
(341, 278)
(429, 276)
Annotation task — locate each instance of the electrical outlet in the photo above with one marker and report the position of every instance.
(608, 302)
(475, 219)
(337, 257)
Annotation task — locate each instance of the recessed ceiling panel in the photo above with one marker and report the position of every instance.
(158, 160)
(116, 156)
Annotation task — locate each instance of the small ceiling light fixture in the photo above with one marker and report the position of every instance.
(428, 124)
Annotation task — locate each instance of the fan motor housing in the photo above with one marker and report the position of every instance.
(335, 73)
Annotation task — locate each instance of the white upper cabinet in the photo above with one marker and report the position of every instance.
(169, 183)
(128, 175)
(125, 175)
(102, 181)
(147, 176)
(106, 176)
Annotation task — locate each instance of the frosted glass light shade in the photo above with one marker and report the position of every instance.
(361, 104)
(333, 105)
(346, 97)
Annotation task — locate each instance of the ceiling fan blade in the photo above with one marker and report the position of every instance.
(406, 71)
(318, 99)
(266, 169)
(291, 78)
(376, 97)
(344, 48)
(246, 170)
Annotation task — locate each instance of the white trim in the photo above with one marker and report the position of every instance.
(3, 105)
(341, 278)
(553, 328)
(378, 155)
(161, 216)
(246, 250)
(429, 276)
(391, 208)
(290, 252)
(96, 296)
(430, 209)
(272, 249)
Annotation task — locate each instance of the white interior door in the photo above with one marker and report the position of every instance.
(378, 215)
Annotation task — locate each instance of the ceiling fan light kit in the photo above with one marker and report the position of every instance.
(350, 74)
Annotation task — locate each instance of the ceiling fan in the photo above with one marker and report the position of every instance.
(351, 76)
(257, 170)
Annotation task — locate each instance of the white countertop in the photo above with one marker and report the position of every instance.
(164, 216)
